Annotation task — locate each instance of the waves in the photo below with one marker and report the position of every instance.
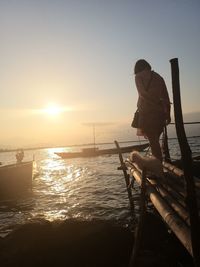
(84, 188)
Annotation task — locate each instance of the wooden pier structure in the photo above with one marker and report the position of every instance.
(176, 195)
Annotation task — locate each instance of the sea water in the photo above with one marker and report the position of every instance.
(81, 188)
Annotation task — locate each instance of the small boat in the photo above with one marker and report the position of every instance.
(94, 151)
(15, 179)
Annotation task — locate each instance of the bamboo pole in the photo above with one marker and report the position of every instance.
(177, 225)
(174, 191)
(178, 172)
(187, 162)
(177, 207)
(172, 184)
(139, 230)
(126, 176)
(165, 146)
(171, 195)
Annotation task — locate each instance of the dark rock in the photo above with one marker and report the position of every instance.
(70, 243)
(159, 247)
(74, 243)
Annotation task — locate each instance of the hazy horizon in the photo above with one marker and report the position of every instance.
(107, 133)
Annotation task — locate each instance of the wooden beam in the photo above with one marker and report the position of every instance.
(126, 176)
(187, 162)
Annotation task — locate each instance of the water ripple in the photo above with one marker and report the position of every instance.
(87, 188)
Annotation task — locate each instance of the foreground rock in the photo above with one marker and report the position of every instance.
(70, 243)
(75, 243)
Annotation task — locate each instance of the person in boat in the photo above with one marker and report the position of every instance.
(20, 155)
(153, 105)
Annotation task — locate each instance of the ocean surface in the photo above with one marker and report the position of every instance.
(82, 188)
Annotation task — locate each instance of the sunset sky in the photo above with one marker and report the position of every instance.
(65, 63)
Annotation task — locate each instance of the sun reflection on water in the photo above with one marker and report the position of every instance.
(55, 215)
(59, 183)
(83, 188)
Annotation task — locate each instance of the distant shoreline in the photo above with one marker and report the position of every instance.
(2, 150)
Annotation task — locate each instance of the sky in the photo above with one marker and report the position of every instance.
(78, 56)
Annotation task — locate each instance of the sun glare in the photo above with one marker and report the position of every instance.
(53, 110)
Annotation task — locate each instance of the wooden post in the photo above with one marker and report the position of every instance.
(187, 163)
(126, 176)
(139, 230)
(165, 146)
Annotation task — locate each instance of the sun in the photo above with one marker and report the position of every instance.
(53, 110)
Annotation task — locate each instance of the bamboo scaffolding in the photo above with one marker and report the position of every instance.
(174, 184)
(173, 191)
(179, 177)
(170, 183)
(178, 172)
(176, 224)
(169, 194)
(172, 201)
